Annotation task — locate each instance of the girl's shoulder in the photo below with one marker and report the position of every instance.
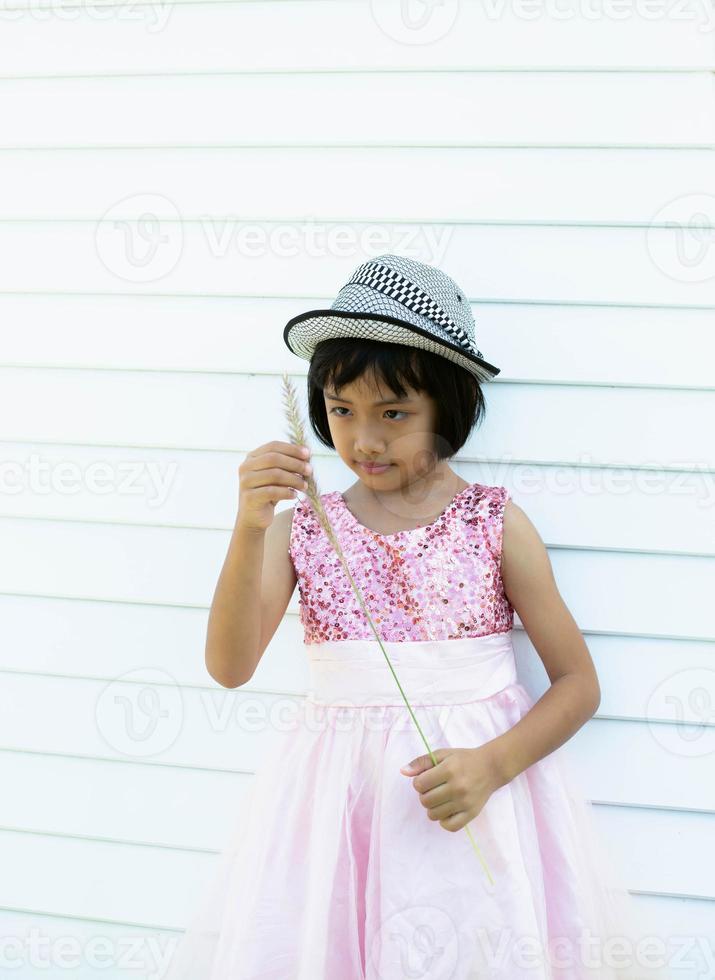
(495, 493)
(486, 507)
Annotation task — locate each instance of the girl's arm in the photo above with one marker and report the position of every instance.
(574, 694)
(251, 597)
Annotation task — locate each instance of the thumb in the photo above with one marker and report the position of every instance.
(417, 765)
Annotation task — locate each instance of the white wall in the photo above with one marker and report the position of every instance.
(543, 162)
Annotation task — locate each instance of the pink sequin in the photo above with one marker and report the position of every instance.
(437, 582)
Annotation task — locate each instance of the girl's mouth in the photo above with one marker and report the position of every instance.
(375, 467)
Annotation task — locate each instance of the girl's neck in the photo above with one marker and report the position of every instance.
(417, 499)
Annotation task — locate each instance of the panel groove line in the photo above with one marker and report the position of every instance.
(352, 219)
(236, 373)
(513, 461)
(236, 771)
(646, 145)
(550, 546)
(36, 913)
(555, 264)
(156, 604)
(513, 108)
(262, 690)
(505, 185)
(704, 69)
(604, 805)
(311, 298)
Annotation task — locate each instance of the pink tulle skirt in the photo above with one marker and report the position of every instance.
(335, 872)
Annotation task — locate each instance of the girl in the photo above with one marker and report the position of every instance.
(350, 860)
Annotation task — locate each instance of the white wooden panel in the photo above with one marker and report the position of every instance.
(519, 262)
(84, 949)
(636, 836)
(62, 640)
(637, 763)
(242, 37)
(155, 886)
(640, 677)
(515, 108)
(143, 801)
(586, 344)
(612, 508)
(232, 729)
(685, 924)
(529, 342)
(101, 880)
(390, 184)
(59, 637)
(606, 590)
(104, 640)
(157, 805)
(141, 716)
(645, 746)
(570, 506)
(523, 423)
(131, 802)
(194, 808)
(612, 591)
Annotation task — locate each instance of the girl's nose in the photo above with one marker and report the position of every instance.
(370, 448)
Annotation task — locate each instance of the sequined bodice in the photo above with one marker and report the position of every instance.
(436, 582)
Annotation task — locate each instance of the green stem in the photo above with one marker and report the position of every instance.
(414, 718)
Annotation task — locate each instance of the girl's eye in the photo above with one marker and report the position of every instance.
(339, 407)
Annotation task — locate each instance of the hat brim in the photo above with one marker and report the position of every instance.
(303, 332)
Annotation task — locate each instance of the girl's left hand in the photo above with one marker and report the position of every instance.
(457, 788)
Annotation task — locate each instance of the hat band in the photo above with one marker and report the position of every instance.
(385, 280)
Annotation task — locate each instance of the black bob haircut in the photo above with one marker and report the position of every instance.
(457, 393)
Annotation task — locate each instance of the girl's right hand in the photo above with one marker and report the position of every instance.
(268, 474)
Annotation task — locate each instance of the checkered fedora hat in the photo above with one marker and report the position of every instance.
(398, 301)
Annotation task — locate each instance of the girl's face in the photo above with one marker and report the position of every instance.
(398, 432)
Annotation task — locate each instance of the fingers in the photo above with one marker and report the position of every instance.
(274, 465)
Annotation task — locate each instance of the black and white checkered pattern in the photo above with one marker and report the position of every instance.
(376, 275)
(396, 300)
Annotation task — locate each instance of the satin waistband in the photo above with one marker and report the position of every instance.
(356, 673)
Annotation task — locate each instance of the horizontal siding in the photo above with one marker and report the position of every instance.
(150, 948)
(206, 729)
(175, 801)
(241, 36)
(542, 185)
(158, 332)
(157, 886)
(634, 593)
(611, 431)
(546, 164)
(666, 511)
(627, 592)
(635, 265)
(131, 801)
(464, 109)
(57, 638)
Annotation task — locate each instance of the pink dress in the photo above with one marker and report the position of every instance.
(334, 870)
